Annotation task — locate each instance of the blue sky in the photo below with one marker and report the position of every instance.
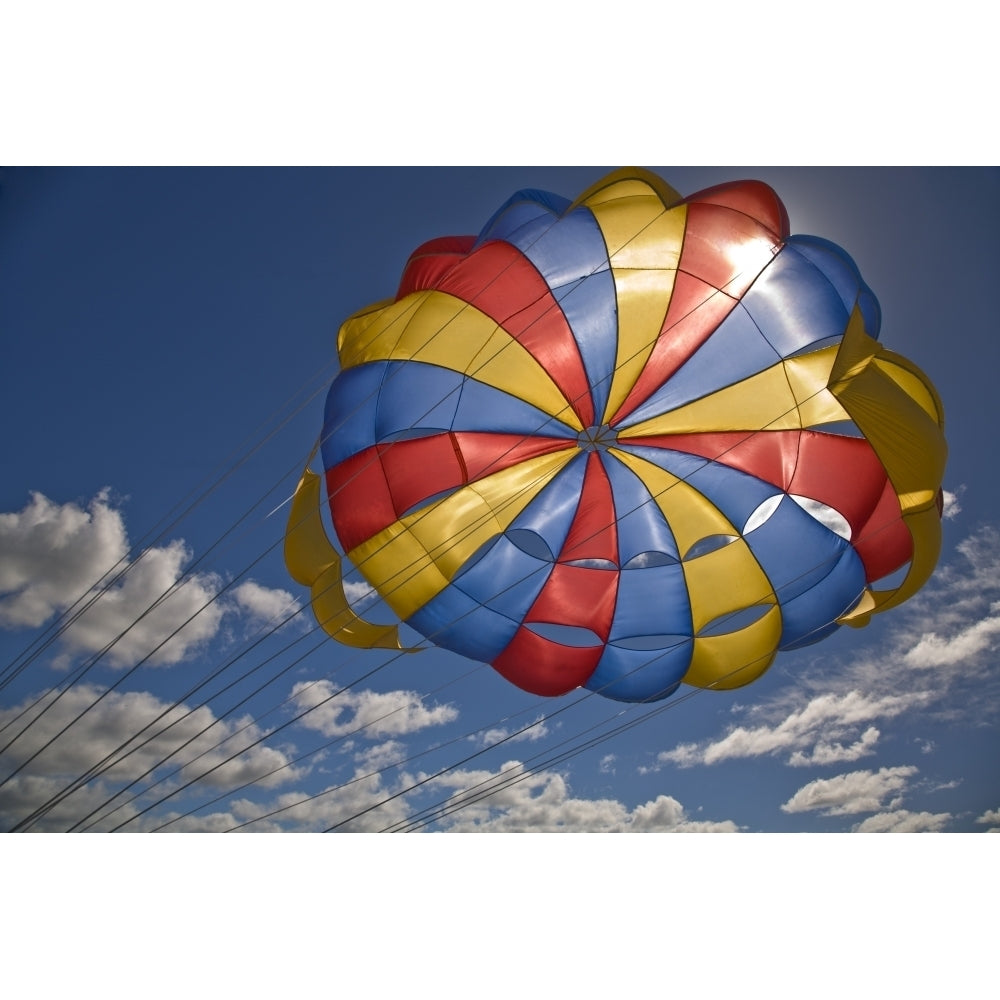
(168, 330)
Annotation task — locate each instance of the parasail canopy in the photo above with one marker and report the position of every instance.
(624, 442)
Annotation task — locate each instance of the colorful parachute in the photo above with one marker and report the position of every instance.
(624, 442)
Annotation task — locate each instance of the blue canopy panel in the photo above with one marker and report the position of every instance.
(478, 613)
(641, 674)
(812, 616)
(815, 573)
(380, 400)
(570, 254)
(479, 624)
(652, 603)
(841, 271)
(550, 515)
(794, 302)
(349, 419)
(644, 537)
(523, 213)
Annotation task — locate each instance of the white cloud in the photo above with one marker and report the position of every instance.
(21, 795)
(50, 555)
(952, 506)
(902, 821)
(516, 800)
(360, 595)
(57, 557)
(607, 763)
(264, 605)
(513, 799)
(218, 822)
(370, 713)
(109, 727)
(154, 612)
(945, 786)
(837, 753)
(381, 755)
(960, 648)
(858, 791)
(363, 805)
(958, 590)
(992, 818)
(819, 724)
(532, 732)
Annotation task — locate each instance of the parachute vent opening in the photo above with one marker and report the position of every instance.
(826, 515)
(593, 563)
(426, 502)
(709, 544)
(644, 560)
(842, 428)
(412, 433)
(763, 513)
(532, 543)
(651, 643)
(893, 580)
(818, 345)
(734, 621)
(597, 438)
(566, 635)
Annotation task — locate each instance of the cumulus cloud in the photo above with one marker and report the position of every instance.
(152, 612)
(373, 714)
(961, 646)
(532, 732)
(959, 591)
(856, 792)
(952, 506)
(513, 799)
(381, 756)
(902, 821)
(819, 724)
(837, 753)
(51, 554)
(510, 799)
(192, 743)
(363, 805)
(360, 595)
(174, 822)
(991, 818)
(57, 557)
(264, 605)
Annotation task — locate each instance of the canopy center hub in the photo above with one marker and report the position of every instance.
(596, 438)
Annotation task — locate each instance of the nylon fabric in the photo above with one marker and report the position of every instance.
(313, 562)
(475, 346)
(726, 662)
(413, 559)
(628, 442)
(570, 255)
(643, 239)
